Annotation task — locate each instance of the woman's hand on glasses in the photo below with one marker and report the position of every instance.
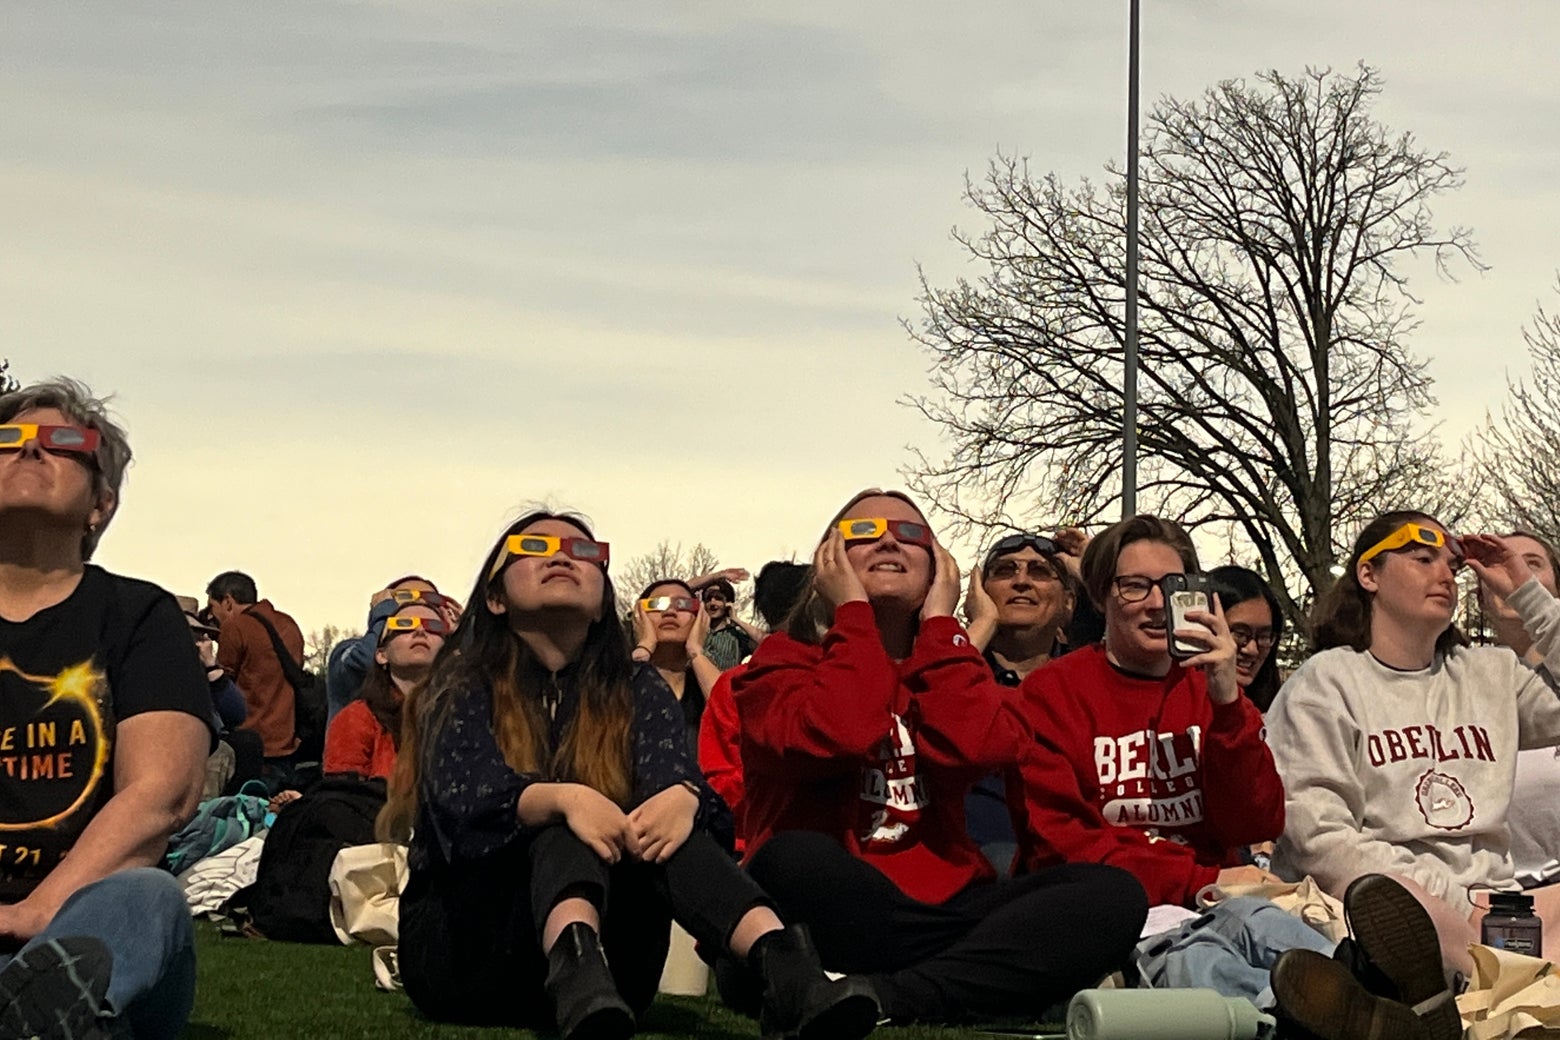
(698, 633)
(834, 575)
(943, 597)
(1218, 661)
(980, 610)
(1500, 567)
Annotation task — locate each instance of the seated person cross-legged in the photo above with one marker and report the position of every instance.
(561, 823)
(1140, 759)
(363, 738)
(106, 715)
(863, 727)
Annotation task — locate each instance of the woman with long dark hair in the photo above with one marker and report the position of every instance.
(670, 627)
(363, 737)
(1397, 741)
(1257, 624)
(864, 725)
(559, 820)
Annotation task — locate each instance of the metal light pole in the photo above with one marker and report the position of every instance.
(1129, 391)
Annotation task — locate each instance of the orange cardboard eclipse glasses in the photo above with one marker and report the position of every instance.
(76, 439)
(400, 624)
(871, 528)
(582, 549)
(661, 604)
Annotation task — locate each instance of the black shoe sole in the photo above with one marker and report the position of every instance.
(56, 991)
(1394, 932)
(613, 1022)
(1327, 1002)
(851, 1019)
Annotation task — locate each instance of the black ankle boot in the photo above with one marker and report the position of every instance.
(800, 1001)
(585, 999)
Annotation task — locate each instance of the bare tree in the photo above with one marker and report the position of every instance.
(1277, 393)
(666, 560)
(317, 646)
(1519, 453)
(8, 382)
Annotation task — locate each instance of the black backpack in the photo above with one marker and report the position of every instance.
(309, 704)
(290, 899)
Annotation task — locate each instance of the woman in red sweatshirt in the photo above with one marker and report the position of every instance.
(363, 738)
(1154, 765)
(864, 725)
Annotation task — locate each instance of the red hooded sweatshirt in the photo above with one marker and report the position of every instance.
(1144, 774)
(879, 754)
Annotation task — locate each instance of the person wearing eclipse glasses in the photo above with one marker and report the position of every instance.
(105, 726)
(561, 823)
(670, 629)
(864, 724)
(351, 660)
(363, 738)
(1397, 742)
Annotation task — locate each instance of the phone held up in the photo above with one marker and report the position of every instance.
(1183, 593)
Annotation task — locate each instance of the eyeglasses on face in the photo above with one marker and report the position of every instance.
(1035, 570)
(1133, 588)
(662, 604)
(582, 549)
(1243, 634)
(74, 439)
(1416, 534)
(400, 624)
(871, 528)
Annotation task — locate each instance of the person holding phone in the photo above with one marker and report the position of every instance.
(1398, 741)
(1140, 758)
(864, 725)
(560, 821)
(1257, 625)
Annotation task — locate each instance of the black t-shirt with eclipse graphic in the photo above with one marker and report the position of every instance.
(114, 648)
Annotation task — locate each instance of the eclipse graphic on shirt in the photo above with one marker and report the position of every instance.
(53, 747)
(1443, 801)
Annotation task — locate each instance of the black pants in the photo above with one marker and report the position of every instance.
(470, 934)
(248, 758)
(998, 949)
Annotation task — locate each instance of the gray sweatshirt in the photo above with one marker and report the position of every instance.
(1410, 772)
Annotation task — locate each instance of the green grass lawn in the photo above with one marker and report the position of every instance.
(251, 989)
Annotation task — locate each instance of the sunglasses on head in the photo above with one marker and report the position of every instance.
(871, 528)
(433, 599)
(661, 604)
(397, 625)
(1014, 542)
(77, 439)
(1414, 534)
(582, 549)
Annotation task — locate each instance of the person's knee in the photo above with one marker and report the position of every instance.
(156, 898)
(1117, 898)
(791, 857)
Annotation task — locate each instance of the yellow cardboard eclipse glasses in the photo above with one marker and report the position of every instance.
(1412, 533)
(400, 624)
(871, 528)
(428, 596)
(76, 439)
(661, 604)
(582, 549)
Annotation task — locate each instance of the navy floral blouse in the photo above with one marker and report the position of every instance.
(468, 795)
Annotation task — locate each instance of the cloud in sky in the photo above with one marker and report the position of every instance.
(367, 277)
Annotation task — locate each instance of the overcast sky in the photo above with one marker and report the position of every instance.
(367, 278)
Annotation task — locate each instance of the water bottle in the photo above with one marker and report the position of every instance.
(1164, 1014)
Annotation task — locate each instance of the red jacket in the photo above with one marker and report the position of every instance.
(720, 748)
(356, 742)
(879, 754)
(1145, 774)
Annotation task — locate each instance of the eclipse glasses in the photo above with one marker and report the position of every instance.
(871, 528)
(582, 549)
(1412, 533)
(399, 625)
(661, 604)
(77, 439)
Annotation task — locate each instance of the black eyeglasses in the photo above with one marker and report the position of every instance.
(1243, 634)
(1134, 588)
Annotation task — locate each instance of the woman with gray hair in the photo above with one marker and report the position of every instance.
(104, 732)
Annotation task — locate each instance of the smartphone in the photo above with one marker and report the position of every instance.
(1182, 593)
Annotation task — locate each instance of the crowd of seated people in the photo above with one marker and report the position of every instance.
(865, 811)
